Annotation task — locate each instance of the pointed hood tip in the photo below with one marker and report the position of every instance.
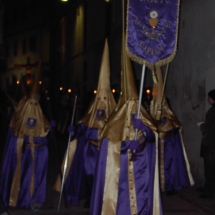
(128, 88)
(104, 76)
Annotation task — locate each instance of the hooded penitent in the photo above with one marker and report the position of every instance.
(23, 178)
(174, 166)
(123, 185)
(83, 150)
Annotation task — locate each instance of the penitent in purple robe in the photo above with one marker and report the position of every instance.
(123, 186)
(83, 150)
(38, 167)
(25, 161)
(177, 174)
(81, 173)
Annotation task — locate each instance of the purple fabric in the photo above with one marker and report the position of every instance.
(71, 129)
(144, 178)
(41, 165)
(176, 176)
(40, 168)
(8, 166)
(99, 180)
(138, 124)
(91, 156)
(142, 42)
(52, 123)
(134, 144)
(83, 165)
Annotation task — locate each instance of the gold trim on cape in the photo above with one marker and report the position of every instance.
(186, 160)
(131, 184)
(156, 193)
(15, 187)
(111, 178)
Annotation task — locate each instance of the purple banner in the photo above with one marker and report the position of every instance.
(152, 31)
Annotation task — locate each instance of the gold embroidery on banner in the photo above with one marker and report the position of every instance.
(162, 172)
(15, 187)
(143, 61)
(131, 183)
(149, 50)
(153, 35)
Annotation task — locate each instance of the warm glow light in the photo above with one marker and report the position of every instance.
(64, 0)
(148, 91)
(113, 90)
(69, 90)
(40, 82)
(61, 88)
(28, 81)
(17, 82)
(95, 91)
(107, 0)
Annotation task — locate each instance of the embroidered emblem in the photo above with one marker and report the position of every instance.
(31, 122)
(100, 114)
(163, 120)
(153, 21)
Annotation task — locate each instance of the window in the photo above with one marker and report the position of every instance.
(32, 44)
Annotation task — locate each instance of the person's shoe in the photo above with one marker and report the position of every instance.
(204, 196)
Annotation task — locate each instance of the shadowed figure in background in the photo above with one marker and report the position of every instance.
(24, 166)
(174, 165)
(84, 149)
(208, 148)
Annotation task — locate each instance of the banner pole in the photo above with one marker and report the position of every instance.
(140, 100)
(67, 155)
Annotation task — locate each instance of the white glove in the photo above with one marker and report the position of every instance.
(199, 123)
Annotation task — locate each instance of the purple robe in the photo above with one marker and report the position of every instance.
(176, 171)
(81, 174)
(144, 176)
(40, 171)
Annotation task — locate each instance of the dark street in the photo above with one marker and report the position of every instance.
(184, 202)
